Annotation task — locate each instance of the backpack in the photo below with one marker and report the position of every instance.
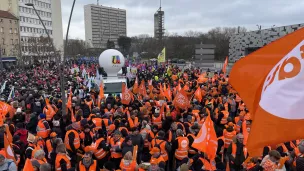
(158, 145)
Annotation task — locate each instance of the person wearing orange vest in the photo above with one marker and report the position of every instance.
(228, 134)
(127, 163)
(181, 147)
(133, 120)
(38, 158)
(297, 152)
(32, 145)
(223, 116)
(157, 158)
(50, 144)
(237, 153)
(62, 162)
(116, 151)
(88, 101)
(165, 147)
(72, 141)
(43, 128)
(101, 149)
(86, 136)
(172, 132)
(87, 163)
(194, 129)
(157, 118)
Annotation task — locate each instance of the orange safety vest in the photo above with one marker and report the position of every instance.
(228, 137)
(157, 121)
(182, 125)
(115, 144)
(76, 140)
(99, 153)
(133, 123)
(208, 165)
(91, 168)
(34, 148)
(191, 150)
(49, 146)
(97, 122)
(130, 167)
(41, 130)
(157, 160)
(234, 150)
(183, 146)
(297, 154)
(121, 128)
(66, 158)
(224, 119)
(162, 145)
(237, 127)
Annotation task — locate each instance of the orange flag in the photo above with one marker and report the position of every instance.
(142, 89)
(69, 106)
(4, 109)
(50, 109)
(150, 85)
(198, 94)
(101, 94)
(225, 65)
(8, 150)
(161, 90)
(202, 78)
(270, 82)
(181, 100)
(127, 95)
(206, 140)
(168, 93)
(135, 86)
(28, 165)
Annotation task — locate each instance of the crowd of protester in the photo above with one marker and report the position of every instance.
(102, 134)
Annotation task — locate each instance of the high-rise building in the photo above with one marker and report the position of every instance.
(104, 23)
(31, 29)
(159, 26)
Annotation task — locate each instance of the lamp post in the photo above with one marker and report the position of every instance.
(46, 31)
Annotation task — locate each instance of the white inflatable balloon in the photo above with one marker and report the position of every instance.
(112, 61)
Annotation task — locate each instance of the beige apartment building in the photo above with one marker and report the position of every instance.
(9, 34)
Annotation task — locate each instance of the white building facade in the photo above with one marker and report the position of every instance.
(104, 23)
(31, 28)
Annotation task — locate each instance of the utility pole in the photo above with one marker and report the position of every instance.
(1, 62)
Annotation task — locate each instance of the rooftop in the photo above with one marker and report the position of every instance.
(6, 14)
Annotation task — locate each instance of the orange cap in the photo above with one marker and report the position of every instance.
(53, 135)
(154, 150)
(112, 127)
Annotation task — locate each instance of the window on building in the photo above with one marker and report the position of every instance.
(10, 21)
(12, 41)
(3, 41)
(1, 29)
(11, 30)
(16, 30)
(16, 41)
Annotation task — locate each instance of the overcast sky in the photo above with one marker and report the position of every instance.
(196, 15)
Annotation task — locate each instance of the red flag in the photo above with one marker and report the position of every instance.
(274, 91)
(127, 95)
(206, 140)
(181, 100)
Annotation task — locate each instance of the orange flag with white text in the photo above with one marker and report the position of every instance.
(8, 149)
(270, 82)
(206, 140)
(127, 95)
(150, 85)
(181, 100)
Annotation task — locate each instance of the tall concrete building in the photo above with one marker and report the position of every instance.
(9, 34)
(31, 28)
(104, 23)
